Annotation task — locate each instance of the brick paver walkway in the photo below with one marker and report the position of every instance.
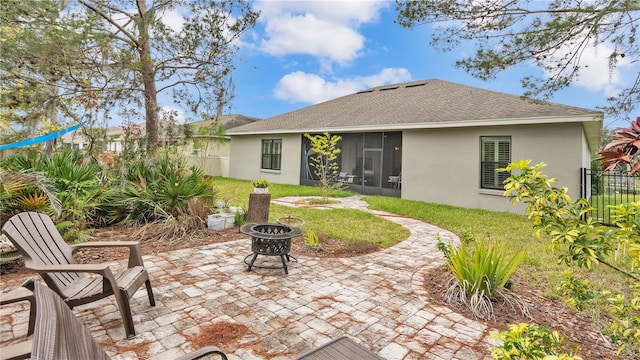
(376, 299)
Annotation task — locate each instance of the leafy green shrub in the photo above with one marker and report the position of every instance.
(481, 275)
(531, 342)
(443, 247)
(577, 293)
(624, 328)
(71, 232)
(312, 240)
(241, 216)
(76, 182)
(581, 240)
(260, 183)
(162, 188)
(25, 191)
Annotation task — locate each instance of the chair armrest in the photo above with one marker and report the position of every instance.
(135, 259)
(17, 295)
(102, 269)
(20, 350)
(98, 244)
(202, 352)
(13, 296)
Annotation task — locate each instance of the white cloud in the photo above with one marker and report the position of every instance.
(325, 29)
(173, 20)
(306, 34)
(595, 74)
(311, 88)
(171, 114)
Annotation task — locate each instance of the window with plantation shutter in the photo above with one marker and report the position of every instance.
(271, 154)
(495, 154)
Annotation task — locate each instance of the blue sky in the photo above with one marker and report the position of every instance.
(305, 52)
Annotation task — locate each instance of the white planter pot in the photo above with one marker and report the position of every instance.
(260, 190)
(220, 221)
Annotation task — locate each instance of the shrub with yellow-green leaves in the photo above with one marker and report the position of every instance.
(531, 342)
(581, 240)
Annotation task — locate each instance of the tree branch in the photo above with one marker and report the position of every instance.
(613, 267)
(130, 36)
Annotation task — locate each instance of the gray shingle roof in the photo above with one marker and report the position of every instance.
(426, 103)
(228, 121)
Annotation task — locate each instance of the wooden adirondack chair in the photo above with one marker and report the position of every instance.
(46, 252)
(59, 334)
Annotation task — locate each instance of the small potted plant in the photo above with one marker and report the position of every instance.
(260, 186)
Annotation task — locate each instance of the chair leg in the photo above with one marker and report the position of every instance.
(32, 317)
(152, 300)
(125, 310)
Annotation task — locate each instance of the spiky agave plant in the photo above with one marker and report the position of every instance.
(26, 188)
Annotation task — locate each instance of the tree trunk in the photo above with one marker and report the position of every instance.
(151, 107)
(52, 110)
(258, 211)
(148, 78)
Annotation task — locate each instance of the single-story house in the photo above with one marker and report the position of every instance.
(206, 145)
(114, 139)
(430, 140)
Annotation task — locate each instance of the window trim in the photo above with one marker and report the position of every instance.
(496, 163)
(275, 155)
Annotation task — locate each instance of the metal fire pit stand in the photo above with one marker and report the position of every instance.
(271, 240)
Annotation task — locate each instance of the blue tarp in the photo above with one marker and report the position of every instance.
(40, 139)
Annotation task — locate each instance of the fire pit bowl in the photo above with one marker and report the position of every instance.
(270, 240)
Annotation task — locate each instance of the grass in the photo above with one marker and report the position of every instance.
(539, 266)
(346, 224)
(602, 202)
(237, 191)
(349, 225)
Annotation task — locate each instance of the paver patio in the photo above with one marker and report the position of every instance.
(376, 299)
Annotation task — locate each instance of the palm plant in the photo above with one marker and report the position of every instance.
(163, 188)
(79, 185)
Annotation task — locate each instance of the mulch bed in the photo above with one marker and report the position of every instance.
(543, 311)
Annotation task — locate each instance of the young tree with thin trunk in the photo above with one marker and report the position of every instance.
(324, 157)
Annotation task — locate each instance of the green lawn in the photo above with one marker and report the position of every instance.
(514, 232)
(602, 203)
(539, 266)
(346, 224)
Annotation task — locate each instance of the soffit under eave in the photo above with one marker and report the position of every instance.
(592, 130)
(592, 125)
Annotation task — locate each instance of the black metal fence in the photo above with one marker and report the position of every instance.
(605, 189)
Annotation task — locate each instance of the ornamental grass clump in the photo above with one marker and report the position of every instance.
(480, 275)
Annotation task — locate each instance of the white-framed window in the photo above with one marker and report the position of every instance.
(495, 153)
(271, 154)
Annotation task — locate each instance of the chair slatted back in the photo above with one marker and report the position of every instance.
(59, 335)
(36, 237)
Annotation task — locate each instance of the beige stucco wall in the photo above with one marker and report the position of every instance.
(443, 165)
(246, 155)
(211, 165)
